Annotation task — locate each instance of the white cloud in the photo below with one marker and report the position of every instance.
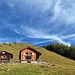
(36, 33)
(8, 40)
(32, 33)
(56, 21)
(68, 36)
(64, 10)
(41, 42)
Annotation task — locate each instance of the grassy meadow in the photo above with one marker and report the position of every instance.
(58, 65)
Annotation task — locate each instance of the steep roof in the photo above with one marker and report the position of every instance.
(30, 49)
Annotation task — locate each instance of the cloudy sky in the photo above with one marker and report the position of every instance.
(37, 21)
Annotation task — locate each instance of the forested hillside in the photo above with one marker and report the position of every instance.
(62, 50)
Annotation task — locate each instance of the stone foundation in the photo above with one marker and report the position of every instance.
(29, 62)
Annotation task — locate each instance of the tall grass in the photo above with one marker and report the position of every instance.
(34, 69)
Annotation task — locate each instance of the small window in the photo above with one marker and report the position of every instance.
(30, 54)
(3, 52)
(26, 54)
(4, 57)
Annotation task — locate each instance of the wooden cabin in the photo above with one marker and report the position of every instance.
(5, 57)
(29, 55)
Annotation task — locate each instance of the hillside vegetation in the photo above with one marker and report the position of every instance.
(58, 65)
(62, 50)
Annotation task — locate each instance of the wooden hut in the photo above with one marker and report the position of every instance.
(5, 57)
(29, 55)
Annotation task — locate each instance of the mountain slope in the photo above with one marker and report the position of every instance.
(47, 56)
(58, 65)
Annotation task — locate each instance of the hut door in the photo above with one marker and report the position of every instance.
(28, 61)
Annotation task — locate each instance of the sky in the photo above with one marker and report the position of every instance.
(38, 22)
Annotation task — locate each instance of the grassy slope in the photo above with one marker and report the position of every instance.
(62, 65)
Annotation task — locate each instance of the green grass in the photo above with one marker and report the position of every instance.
(34, 69)
(59, 65)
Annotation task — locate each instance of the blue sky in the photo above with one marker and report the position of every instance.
(38, 22)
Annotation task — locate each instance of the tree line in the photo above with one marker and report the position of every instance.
(62, 50)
